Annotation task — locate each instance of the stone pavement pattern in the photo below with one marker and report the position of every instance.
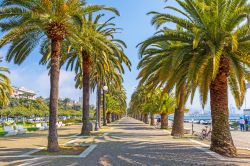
(241, 139)
(131, 142)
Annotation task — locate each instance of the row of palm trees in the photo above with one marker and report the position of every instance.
(207, 50)
(70, 34)
(145, 102)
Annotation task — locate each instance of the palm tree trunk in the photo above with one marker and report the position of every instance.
(146, 118)
(53, 106)
(113, 117)
(221, 140)
(152, 120)
(86, 63)
(164, 121)
(178, 124)
(138, 116)
(108, 117)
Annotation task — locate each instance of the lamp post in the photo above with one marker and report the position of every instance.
(105, 89)
(97, 108)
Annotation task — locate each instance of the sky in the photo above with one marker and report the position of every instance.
(136, 28)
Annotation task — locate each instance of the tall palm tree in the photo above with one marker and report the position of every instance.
(5, 86)
(215, 38)
(154, 102)
(95, 52)
(112, 78)
(28, 23)
(157, 66)
(66, 101)
(116, 103)
(168, 106)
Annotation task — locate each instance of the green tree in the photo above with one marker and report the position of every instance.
(66, 101)
(157, 68)
(116, 104)
(214, 36)
(5, 86)
(27, 24)
(96, 59)
(154, 102)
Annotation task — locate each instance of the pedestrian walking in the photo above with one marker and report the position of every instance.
(246, 124)
(158, 121)
(242, 124)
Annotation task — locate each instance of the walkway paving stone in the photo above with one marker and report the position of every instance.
(132, 143)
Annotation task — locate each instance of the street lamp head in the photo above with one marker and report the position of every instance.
(105, 88)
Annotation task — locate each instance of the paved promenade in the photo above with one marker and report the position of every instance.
(130, 142)
(241, 139)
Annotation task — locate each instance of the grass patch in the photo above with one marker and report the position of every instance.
(26, 124)
(30, 129)
(76, 120)
(2, 133)
(64, 150)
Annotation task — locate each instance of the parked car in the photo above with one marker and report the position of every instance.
(202, 122)
(196, 121)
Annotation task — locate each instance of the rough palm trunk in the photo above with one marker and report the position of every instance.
(86, 63)
(54, 90)
(145, 118)
(164, 121)
(178, 124)
(108, 117)
(221, 140)
(152, 120)
(113, 117)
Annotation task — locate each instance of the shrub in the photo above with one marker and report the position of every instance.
(30, 129)
(235, 125)
(76, 120)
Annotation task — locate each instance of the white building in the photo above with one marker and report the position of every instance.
(23, 93)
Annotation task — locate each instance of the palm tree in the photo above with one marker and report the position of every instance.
(66, 101)
(138, 99)
(99, 53)
(27, 24)
(154, 102)
(215, 38)
(157, 66)
(168, 106)
(112, 78)
(116, 103)
(5, 86)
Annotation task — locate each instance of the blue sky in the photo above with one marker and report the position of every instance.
(136, 28)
